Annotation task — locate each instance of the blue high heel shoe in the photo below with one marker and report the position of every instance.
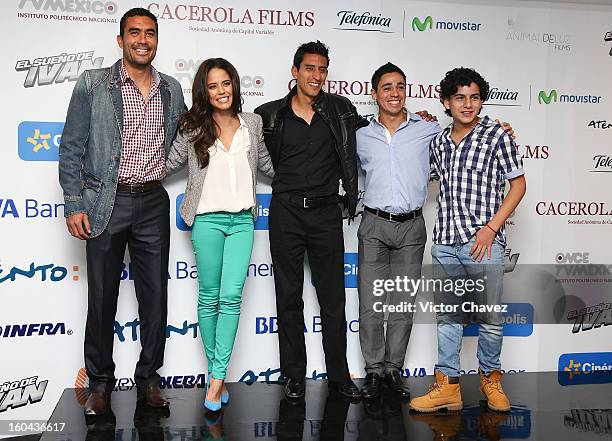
(213, 406)
(224, 398)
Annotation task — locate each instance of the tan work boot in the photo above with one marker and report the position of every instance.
(441, 395)
(443, 425)
(491, 388)
(489, 423)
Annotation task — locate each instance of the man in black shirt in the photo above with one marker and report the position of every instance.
(311, 138)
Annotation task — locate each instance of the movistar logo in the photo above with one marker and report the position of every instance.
(547, 97)
(421, 25)
(553, 96)
(444, 24)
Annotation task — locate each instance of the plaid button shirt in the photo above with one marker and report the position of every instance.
(472, 179)
(142, 155)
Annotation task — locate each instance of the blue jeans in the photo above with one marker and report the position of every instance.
(454, 262)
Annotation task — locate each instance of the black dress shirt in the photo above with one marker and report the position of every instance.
(309, 164)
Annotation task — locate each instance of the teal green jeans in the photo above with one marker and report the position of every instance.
(222, 243)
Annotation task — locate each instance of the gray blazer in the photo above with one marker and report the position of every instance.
(182, 152)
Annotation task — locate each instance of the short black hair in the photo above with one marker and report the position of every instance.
(462, 76)
(385, 69)
(312, 47)
(136, 12)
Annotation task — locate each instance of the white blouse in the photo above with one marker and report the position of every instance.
(228, 185)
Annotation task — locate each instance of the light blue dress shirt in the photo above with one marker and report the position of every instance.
(396, 166)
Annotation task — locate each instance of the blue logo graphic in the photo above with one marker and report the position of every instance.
(129, 331)
(39, 141)
(514, 425)
(274, 376)
(180, 223)
(30, 329)
(585, 368)
(269, 325)
(43, 272)
(263, 208)
(351, 270)
(518, 322)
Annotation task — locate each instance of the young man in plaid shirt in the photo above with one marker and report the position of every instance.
(472, 157)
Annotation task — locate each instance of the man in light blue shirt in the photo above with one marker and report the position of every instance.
(394, 154)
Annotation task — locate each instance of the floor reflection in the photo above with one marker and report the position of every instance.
(543, 409)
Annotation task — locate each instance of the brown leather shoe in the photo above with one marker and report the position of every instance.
(96, 403)
(154, 396)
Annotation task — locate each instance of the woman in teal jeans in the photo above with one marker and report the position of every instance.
(223, 148)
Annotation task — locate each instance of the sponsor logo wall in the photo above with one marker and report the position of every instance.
(545, 79)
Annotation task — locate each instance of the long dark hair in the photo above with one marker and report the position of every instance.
(198, 122)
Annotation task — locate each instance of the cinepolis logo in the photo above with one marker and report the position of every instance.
(552, 96)
(263, 210)
(56, 69)
(351, 270)
(364, 21)
(518, 321)
(38, 140)
(261, 223)
(582, 368)
(443, 25)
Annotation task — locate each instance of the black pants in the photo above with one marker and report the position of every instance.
(318, 231)
(141, 221)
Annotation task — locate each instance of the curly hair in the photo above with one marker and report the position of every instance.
(462, 76)
(198, 122)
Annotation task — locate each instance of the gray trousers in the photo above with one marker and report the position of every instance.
(387, 250)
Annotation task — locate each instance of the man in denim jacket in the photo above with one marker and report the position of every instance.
(119, 128)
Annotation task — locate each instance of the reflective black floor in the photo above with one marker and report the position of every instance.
(542, 409)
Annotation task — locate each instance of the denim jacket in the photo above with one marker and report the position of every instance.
(91, 144)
